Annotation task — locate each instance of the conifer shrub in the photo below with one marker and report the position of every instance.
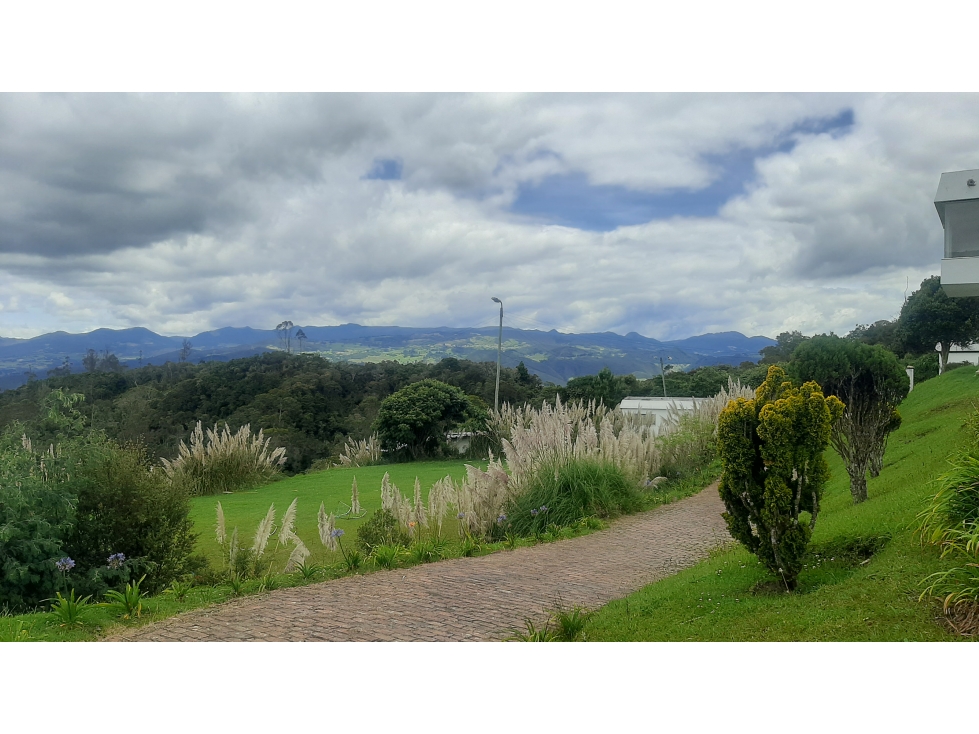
(771, 449)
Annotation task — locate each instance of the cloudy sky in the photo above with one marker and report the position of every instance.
(666, 214)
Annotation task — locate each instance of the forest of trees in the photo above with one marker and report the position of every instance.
(308, 404)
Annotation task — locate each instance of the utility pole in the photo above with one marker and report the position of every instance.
(662, 372)
(499, 354)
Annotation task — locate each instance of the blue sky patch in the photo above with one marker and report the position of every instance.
(385, 169)
(838, 125)
(569, 199)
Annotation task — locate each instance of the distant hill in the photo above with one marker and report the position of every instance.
(554, 356)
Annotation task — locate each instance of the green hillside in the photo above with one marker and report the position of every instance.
(847, 592)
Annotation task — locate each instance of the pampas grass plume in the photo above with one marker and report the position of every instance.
(264, 532)
(327, 524)
(219, 529)
(354, 499)
(289, 523)
(299, 554)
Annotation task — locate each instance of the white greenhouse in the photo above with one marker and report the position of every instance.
(658, 408)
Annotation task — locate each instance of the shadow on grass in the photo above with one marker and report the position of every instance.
(827, 563)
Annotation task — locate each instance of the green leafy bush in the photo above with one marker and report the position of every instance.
(37, 501)
(386, 556)
(567, 492)
(69, 609)
(125, 507)
(381, 528)
(87, 503)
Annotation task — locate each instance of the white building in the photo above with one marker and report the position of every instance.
(658, 408)
(968, 354)
(957, 202)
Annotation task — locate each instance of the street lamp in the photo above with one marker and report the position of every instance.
(662, 371)
(499, 353)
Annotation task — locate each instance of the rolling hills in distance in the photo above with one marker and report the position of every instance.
(554, 356)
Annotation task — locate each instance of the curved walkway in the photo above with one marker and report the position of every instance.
(484, 598)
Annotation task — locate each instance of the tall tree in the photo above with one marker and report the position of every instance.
(604, 387)
(782, 351)
(771, 449)
(871, 383)
(883, 332)
(418, 416)
(185, 350)
(929, 318)
(90, 361)
(285, 335)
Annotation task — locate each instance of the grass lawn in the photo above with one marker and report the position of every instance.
(246, 509)
(847, 592)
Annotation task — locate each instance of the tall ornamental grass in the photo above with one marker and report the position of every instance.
(219, 461)
(576, 437)
(951, 522)
(532, 438)
(566, 493)
(575, 459)
(361, 453)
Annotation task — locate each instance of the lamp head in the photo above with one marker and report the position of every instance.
(498, 300)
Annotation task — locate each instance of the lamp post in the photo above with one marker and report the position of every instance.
(499, 353)
(662, 372)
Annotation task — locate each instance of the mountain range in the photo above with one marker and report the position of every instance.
(554, 356)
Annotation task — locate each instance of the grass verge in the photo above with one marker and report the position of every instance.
(247, 508)
(863, 577)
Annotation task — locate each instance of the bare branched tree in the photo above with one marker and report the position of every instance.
(871, 383)
(285, 335)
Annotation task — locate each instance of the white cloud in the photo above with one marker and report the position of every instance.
(189, 213)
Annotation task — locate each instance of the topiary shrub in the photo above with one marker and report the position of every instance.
(381, 528)
(571, 491)
(771, 449)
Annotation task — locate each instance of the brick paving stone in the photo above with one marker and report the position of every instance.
(484, 598)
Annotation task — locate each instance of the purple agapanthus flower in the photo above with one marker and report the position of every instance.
(461, 516)
(543, 508)
(65, 564)
(533, 513)
(501, 519)
(116, 560)
(336, 533)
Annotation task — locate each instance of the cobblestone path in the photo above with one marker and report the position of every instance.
(484, 598)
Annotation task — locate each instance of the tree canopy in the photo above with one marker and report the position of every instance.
(871, 383)
(929, 318)
(417, 417)
(782, 351)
